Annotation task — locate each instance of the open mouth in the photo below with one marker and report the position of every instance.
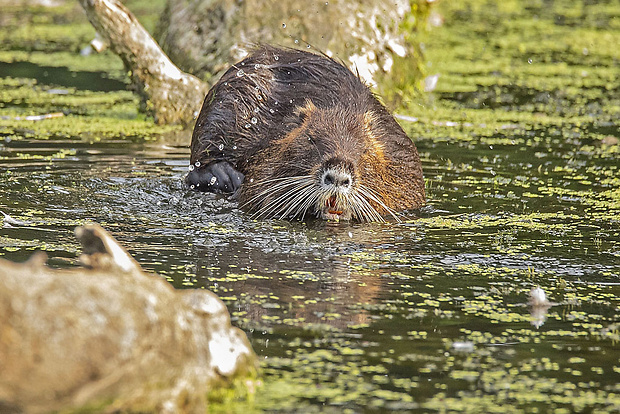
(331, 206)
(333, 211)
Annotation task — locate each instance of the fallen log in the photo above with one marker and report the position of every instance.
(111, 337)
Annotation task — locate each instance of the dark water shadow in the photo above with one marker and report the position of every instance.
(62, 76)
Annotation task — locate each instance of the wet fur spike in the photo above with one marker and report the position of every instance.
(295, 134)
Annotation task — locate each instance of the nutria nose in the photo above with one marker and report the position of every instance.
(337, 179)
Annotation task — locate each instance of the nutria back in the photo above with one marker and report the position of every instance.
(294, 134)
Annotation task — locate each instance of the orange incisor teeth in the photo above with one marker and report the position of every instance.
(331, 202)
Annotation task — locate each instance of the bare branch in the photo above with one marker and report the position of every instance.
(172, 95)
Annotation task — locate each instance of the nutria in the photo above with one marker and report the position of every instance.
(295, 134)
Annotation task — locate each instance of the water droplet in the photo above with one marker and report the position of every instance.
(251, 180)
(308, 47)
(248, 125)
(240, 73)
(296, 41)
(276, 57)
(430, 83)
(284, 25)
(197, 164)
(254, 120)
(260, 98)
(256, 110)
(213, 180)
(192, 186)
(225, 83)
(191, 168)
(234, 147)
(271, 110)
(529, 61)
(290, 101)
(256, 66)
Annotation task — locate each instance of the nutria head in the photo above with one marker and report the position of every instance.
(333, 165)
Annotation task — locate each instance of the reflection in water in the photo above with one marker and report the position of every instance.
(296, 286)
(539, 306)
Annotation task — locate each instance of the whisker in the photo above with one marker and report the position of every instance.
(299, 201)
(293, 178)
(358, 209)
(369, 193)
(369, 212)
(372, 211)
(294, 196)
(271, 207)
(306, 205)
(293, 191)
(282, 185)
(292, 201)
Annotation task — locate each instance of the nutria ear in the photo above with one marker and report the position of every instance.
(304, 111)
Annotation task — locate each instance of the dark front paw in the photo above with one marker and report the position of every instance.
(217, 177)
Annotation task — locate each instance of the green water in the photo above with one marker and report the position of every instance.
(519, 144)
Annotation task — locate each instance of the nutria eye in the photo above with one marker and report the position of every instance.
(328, 179)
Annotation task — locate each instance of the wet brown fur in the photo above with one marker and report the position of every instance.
(284, 113)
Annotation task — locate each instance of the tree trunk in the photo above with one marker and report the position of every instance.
(205, 37)
(171, 95)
